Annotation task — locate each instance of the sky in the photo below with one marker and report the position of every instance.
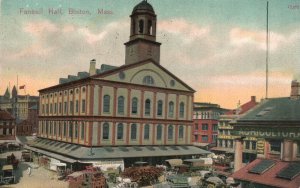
(216, 47)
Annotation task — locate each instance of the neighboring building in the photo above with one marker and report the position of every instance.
(139, 111)
(275, 123)
(17, 105)
(21, 107)
(225, 143)
(7, 126)
(30, 125)
(205, 118)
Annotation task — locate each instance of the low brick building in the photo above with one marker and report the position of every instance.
(7, 126)
(275, 123)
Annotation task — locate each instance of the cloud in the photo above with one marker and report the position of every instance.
(187, 30)
(90, 37)
(240, 37)
(40, 28)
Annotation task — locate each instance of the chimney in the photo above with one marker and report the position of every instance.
(92, 67)
(295, 90)
(253, 99)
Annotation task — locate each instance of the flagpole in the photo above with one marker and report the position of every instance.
(17, 84)
(267, 51)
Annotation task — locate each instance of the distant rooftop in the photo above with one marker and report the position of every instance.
(4, 115)
(81, 75)
(276, 109)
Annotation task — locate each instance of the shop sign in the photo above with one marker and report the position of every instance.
(269, 133)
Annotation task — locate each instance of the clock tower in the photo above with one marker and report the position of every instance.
(142, 43)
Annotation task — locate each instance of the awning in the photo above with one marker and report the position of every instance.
(200, 144)
(49, 154)
(81, 153)
(174, 162)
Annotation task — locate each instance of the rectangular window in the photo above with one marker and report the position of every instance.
(50, 108)
(215, 127)
(204, 138)
(76, 130)
(196, 126)
(55, 108)
(253, 145)
(54, 128)
(70, 130)
(65, 107)
(43, 109)
(71, 107)
(275, 146)
(59, 129)
(60, 107)
(47, 108)
(77, 106)
(83, 106)
(50, 128)
(214, 138)
(65, 129)
(204, 127)
(247, 144)
(82, 131)
(196, 138)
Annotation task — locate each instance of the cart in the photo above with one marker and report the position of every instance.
(7, 175)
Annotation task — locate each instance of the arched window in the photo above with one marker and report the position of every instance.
(76, 129)
(181, 132)
(170, 132)
(82, 131)
(146, 132)
(171, 109)
(134, 105)
(147, 106)
(70, 129)
(133, 27)
(120, 105)
(181, 110)
(106, 103)
(158, 132)
(148, 80)
(120, 131)
(133, 131)
(159, 108)
(141, 26)
(105, 134)
(149, 27)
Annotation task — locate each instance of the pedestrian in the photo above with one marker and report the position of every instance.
(29, 171)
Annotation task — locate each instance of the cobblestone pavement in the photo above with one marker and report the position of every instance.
(39, 178)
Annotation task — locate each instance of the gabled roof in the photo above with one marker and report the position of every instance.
(122, 68)
(276, 109)
(4, 115)
(243, 108)
(125, 67)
